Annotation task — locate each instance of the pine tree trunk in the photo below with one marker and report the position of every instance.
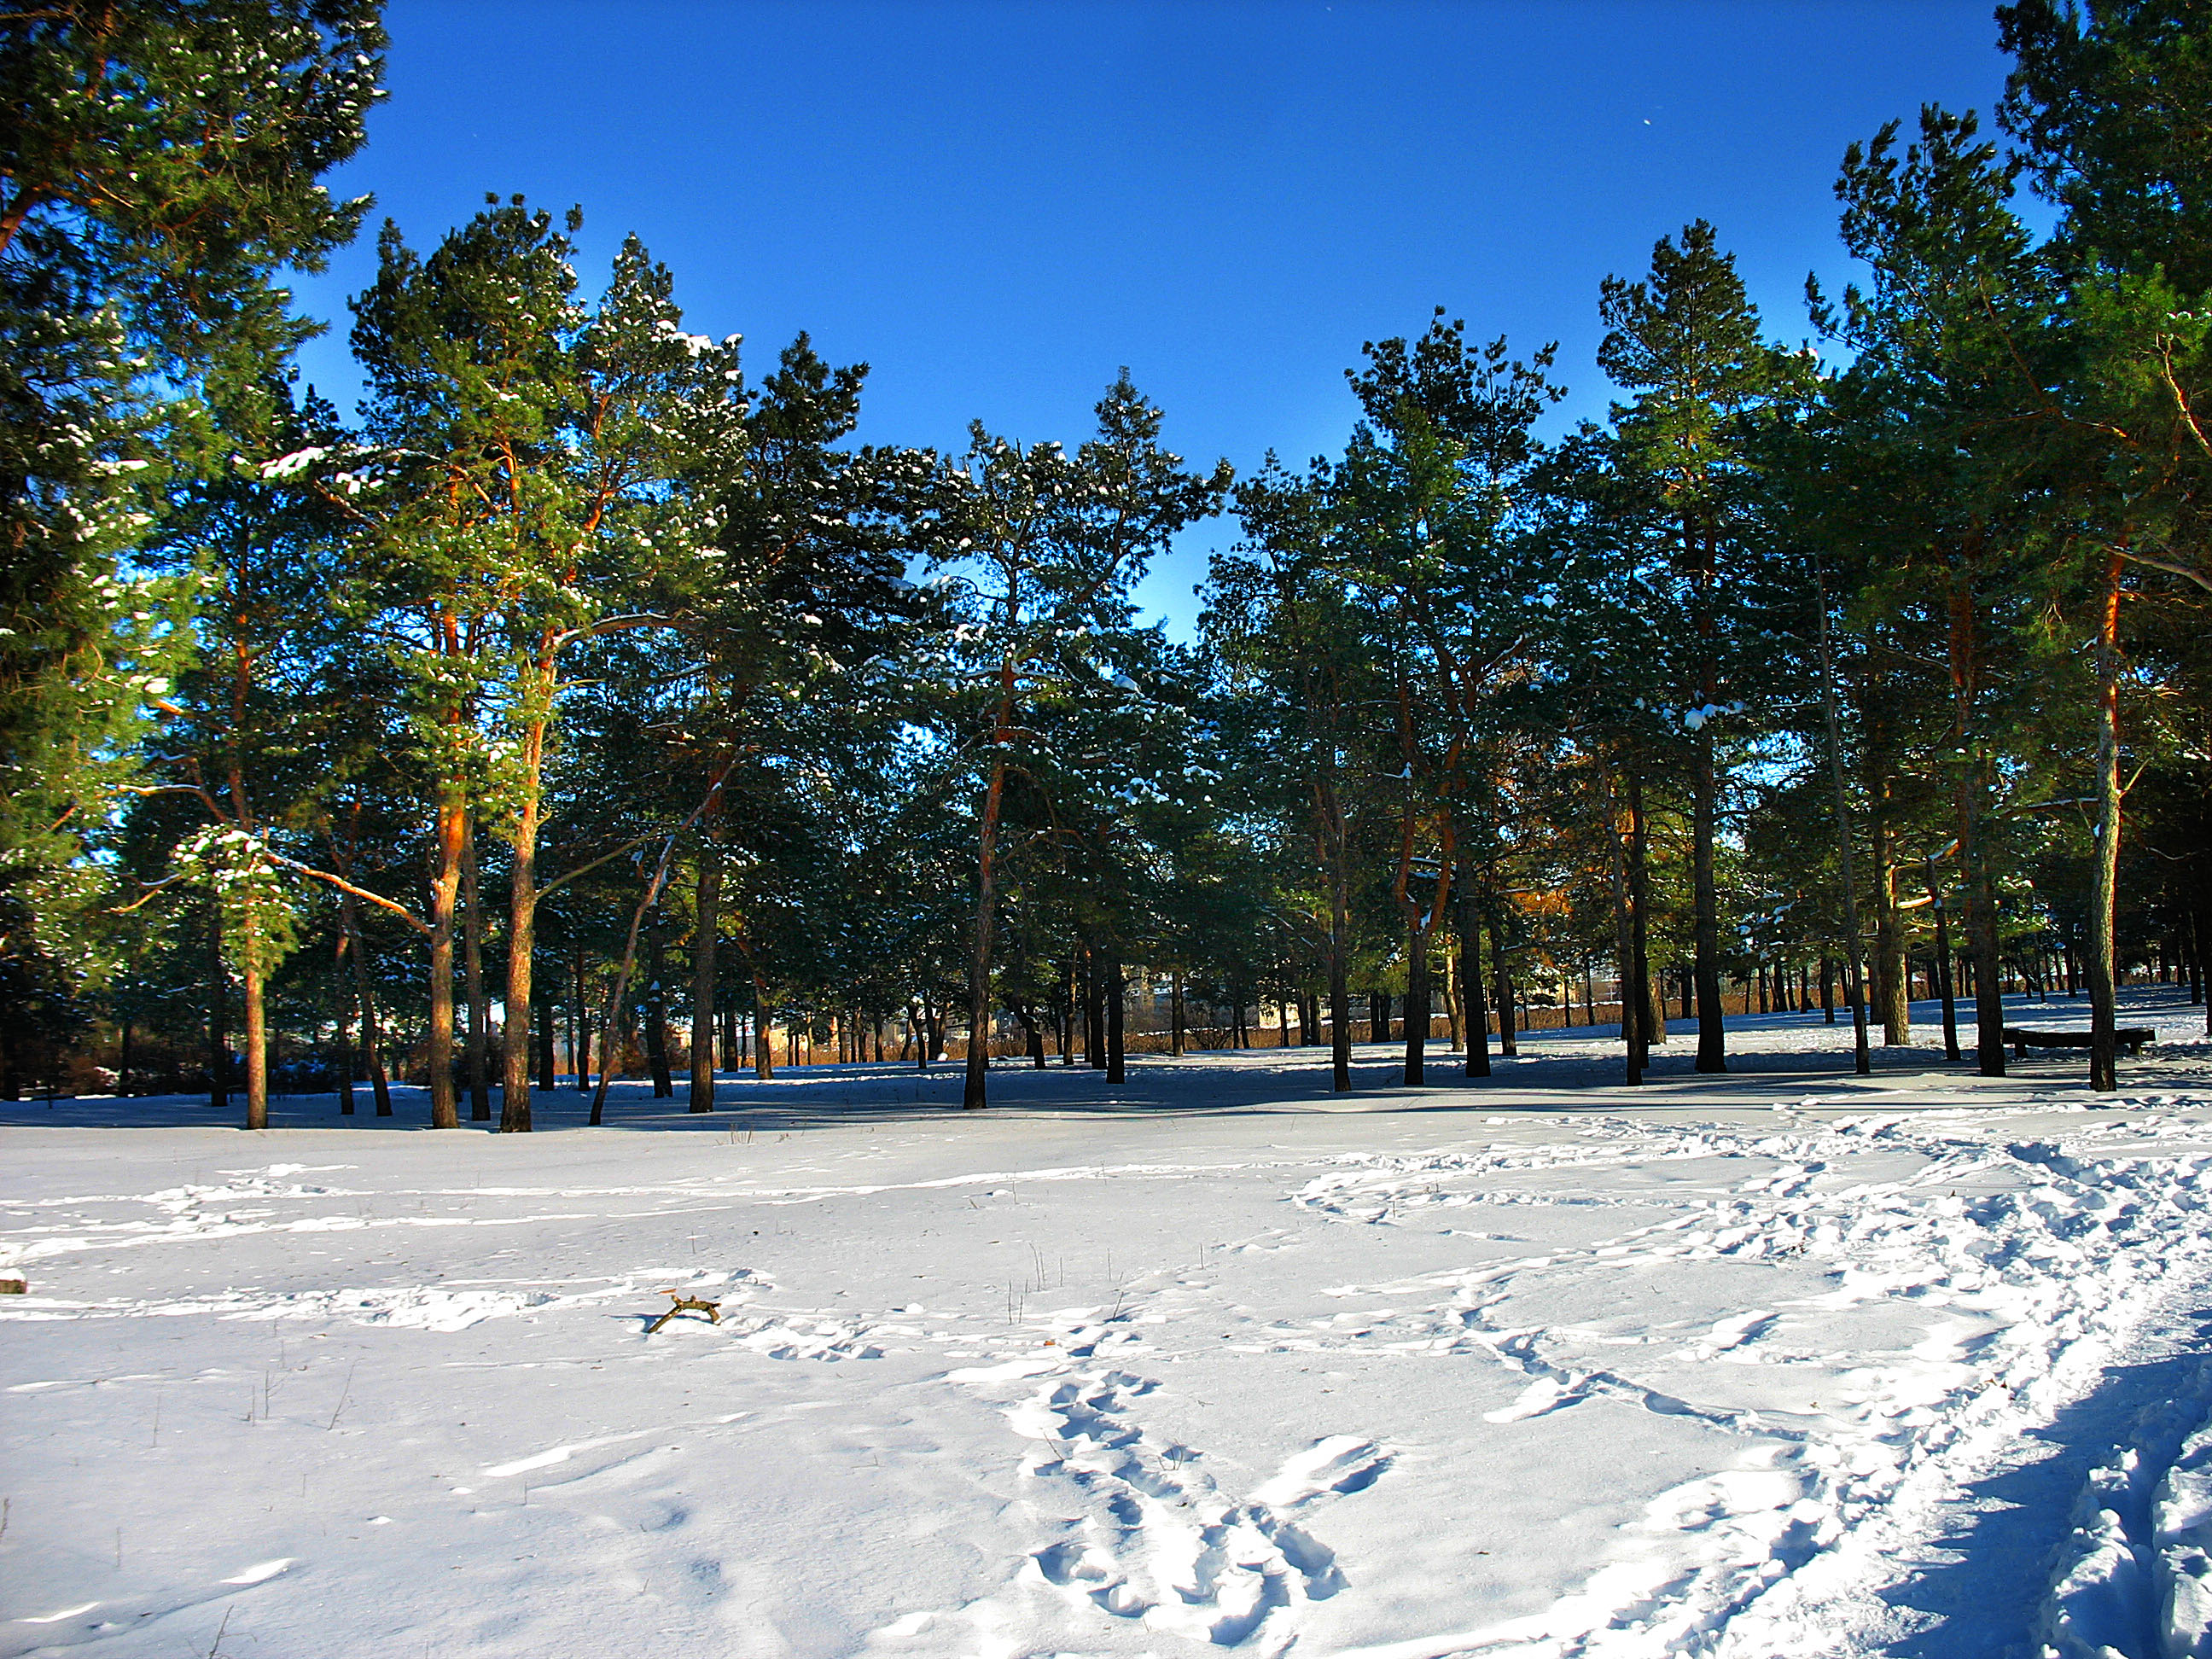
(654, 1005)
(1177, 1030)
(1453, 979)
(1094, 1011)
(974, 1089)
(1639, 923)
(612, 1040)
(1854, 986)
(2204, 923)
(472, 969)
(2104, 1052)
(514, 1102)
(1981, 931)
(346, 1017)
(1889, 969)
(1964, 660)
(1418, 997)
(541, 1031)
(453, 834)
(1939, 967)
(1340, 1002)
(218, 1016)
(2196, 942)
(257, 1045)
(1065, 1002)
(1509, 1041)
(1706, 969)
(1116, 999)
(1624, 948)
(709, 903)
(582, 1022)
(371, 1038)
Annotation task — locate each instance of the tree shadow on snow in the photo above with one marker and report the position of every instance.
(1776, 1059)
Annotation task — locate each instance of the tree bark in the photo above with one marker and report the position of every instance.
(371, 1038)
(1624, 948)
(582, 1022)
(1418, 1000)
(1940, 968)
(347, 1014)
(218, 1013)
(541, 1034)
(1890, 992)
(1117, 1000)
(521, 967)
(1854, 986)
(1705, 968)
(472, 969)
(654, 1011)
(453, 834)
(1509, 1040)
(1474, 1007)
(974, 1089)
(2104, 1053)
(1094, 1011)
(256, 1046)
(702, 980)
(1639, 923)
(1452, 979)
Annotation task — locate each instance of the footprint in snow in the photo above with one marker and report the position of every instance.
(1159, 1544)
(1545, 1393)
(1341, 1463)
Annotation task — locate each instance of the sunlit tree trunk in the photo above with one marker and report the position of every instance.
(472, 969)
(452, 840)
(2104, 1053)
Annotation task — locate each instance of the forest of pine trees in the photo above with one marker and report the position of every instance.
(590, 703)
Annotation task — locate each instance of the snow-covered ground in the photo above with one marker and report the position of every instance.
(1782, 1363)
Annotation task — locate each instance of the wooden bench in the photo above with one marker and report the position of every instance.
(2128, 1039)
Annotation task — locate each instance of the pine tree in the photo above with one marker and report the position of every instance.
(1685, 341)
(157, 170)
(1055, 542)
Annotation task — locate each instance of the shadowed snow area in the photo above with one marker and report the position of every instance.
(1780, 1363)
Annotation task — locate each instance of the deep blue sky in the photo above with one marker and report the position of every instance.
(997, 204)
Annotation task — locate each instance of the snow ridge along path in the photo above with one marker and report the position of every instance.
(1724, 1368)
